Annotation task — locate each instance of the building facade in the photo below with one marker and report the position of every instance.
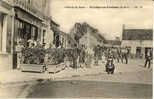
(112, 43)
(139, 41)
(22, 20)
(6, 37)
(66, 41)
(91, 39)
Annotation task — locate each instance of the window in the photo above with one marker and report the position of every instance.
(36, 33)
(44, 36)
(138, 51)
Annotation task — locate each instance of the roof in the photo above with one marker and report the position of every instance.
(137, 34)
(54, 23)
(112, 42)
(80, 29)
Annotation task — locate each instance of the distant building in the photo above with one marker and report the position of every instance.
(67, 41)
(86, 35)
(112, 43)
(138, 40)
(64, 40)
(91, 38)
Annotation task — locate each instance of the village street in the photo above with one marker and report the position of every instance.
(129, 80)
(63, 49)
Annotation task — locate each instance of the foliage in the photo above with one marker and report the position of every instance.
(33, 55)
(48, 56)
(55, 56)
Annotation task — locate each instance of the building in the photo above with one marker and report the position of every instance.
(90, 40)
(86, 35)
(22, 19)
(55, 27)
(91, 37)
(48, 36)
(112, 43)
(66, 41)
(6, 31)
(139, 41)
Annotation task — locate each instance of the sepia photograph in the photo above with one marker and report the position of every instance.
(76, 49)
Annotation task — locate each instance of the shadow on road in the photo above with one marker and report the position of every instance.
(78, 89)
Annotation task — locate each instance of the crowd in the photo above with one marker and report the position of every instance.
(86, 57)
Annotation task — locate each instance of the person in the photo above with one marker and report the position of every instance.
(148, 59)
(75, 57)
(32, 45)
(66, 61)
(103, 58)
(125, 55)
(110, 67)
(88, 59)
(96, 54)
(19, 49)
(117, 55)
(81, 58)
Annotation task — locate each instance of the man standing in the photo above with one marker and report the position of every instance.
(148, 59)
(126, 55)
(75, 57)
(96, 54)
(19, 49)
(82, 57)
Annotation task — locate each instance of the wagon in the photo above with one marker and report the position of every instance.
(32, 60)
(32, 68)
(54, 68)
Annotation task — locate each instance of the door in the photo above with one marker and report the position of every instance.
(138, 52)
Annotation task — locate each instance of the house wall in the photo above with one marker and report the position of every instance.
(49, 38)
(137, 43)
(6, 62)
(89, 41)
(6, 57)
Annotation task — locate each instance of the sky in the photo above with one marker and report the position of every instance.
(108, 21)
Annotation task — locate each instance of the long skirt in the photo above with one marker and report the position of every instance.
(88, 61)
(19, 56)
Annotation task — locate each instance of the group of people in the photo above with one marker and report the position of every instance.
(80, 57)
(86, 57)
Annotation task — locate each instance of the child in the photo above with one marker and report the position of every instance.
(109, 65)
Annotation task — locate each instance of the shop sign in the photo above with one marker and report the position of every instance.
(24, 16)
(29, 8)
